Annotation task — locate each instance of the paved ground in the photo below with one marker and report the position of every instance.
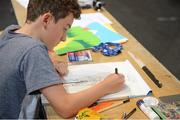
(155, 24)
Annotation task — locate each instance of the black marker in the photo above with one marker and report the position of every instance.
(116, 70)
(153, 78)
(146, 70)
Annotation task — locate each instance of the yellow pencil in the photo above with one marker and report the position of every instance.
(113, 99)
(113, 105)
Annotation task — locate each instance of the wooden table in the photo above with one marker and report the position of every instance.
(171, 85)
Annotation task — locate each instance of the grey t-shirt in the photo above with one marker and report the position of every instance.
(25, 68)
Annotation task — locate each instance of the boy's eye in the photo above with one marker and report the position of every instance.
(65, 29)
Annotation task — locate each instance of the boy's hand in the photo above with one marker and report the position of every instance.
(61, 67)
(114, 83)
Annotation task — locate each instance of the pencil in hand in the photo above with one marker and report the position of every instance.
(116, 70)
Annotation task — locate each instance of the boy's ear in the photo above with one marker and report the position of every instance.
(46, 18)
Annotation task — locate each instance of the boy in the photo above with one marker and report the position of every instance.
(26, 69)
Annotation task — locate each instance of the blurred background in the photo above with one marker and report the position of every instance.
(154, 23)
(7, 15)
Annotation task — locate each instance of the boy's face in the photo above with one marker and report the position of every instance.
(56, 32)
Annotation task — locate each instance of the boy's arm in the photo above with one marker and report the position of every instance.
(67, 105)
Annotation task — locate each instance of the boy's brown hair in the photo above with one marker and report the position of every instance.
(58, 8)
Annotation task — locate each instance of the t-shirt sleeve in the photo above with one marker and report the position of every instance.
(38, 70)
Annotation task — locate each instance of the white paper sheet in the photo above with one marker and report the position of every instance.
(90, 74)
(88, 18)
(24, 3)
(93, 73)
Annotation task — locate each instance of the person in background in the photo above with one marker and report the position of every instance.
(26, 69)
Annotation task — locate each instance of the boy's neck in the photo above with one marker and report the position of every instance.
(31, 30)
